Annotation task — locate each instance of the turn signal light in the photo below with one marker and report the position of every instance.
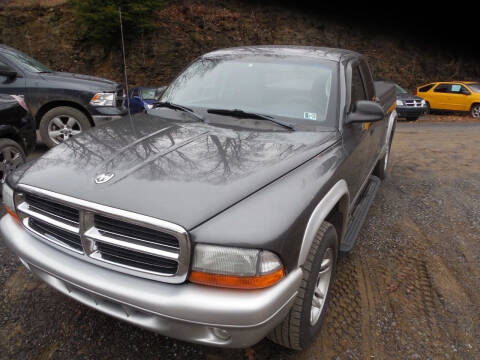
(237, 282)
(13, 215)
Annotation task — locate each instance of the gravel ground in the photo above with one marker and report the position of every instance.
(410, 289)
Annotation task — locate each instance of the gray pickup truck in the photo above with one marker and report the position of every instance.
(218, 216)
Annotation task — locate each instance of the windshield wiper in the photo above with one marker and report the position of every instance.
(169, 105)
(249, 115)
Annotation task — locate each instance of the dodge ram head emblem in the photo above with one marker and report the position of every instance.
(103, 178)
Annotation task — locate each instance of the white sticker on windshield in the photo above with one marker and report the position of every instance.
(310, 116)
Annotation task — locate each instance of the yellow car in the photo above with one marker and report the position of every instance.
(454, 96)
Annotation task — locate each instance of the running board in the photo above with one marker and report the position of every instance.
(359, 215)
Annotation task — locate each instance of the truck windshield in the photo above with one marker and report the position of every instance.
(148, 93)
(26, 62)
(304, 90)
(400, 90)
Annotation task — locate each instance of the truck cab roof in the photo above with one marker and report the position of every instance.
(314, 52)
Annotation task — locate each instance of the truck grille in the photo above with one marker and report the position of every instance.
(413, 103)
(120, 240)
(50, 208)
(55, 234)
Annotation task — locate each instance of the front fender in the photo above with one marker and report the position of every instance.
(275, 217)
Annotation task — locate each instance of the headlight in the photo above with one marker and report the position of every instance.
(9, 201)
(399, 103)
(103, 99)
(235, 267)
(423, 102)
(149, 106)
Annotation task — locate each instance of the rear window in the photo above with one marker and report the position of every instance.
(425, 88)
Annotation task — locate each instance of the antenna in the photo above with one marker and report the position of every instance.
(124, 62)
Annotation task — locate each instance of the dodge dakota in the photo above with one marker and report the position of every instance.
(217, 217)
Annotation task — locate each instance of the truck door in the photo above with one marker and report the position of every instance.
(356, 136)
(377, 131)
(14, 85)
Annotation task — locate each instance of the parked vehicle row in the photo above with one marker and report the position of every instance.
(62, 104)
(217, 216)
(215, 211)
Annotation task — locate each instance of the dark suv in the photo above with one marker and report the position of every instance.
(63, 104)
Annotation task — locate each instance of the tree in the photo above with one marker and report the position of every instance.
(100, 19)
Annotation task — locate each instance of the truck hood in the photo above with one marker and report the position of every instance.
(74, 80)
(176, 171)
(408, 96)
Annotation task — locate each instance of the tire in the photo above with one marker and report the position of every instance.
(381, 170)
(11, 156)
(429, 109)
(297, 330)
(475, 111)
(415, 118)
(64, 121)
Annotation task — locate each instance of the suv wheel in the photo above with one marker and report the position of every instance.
(11, 156)
(61, 123)
(476, 110)
(305, 318)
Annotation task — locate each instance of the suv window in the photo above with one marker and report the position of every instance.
(358, 90)
(426, 88)
(442, 88)
(459, 89)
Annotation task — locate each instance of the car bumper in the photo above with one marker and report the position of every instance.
(101, 115)
(407, 111)
(187, 312)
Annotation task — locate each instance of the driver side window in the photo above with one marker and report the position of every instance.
(358, 90)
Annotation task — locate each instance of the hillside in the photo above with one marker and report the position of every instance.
(46, 30)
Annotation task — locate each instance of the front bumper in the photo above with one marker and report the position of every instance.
(102, 114)
(410, 111)
(187, 312)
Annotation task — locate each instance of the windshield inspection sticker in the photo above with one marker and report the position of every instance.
(310, 116)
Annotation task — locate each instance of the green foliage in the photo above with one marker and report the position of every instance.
(100, 19)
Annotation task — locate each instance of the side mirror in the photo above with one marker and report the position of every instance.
(366, 111)
(7, 71)
(159, 92)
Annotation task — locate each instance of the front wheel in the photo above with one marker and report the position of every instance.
(11, 156)
(382, 166)
(476, 110)
(305, 318)
(61, 123)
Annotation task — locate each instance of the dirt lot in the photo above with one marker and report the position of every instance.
(409, 290)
